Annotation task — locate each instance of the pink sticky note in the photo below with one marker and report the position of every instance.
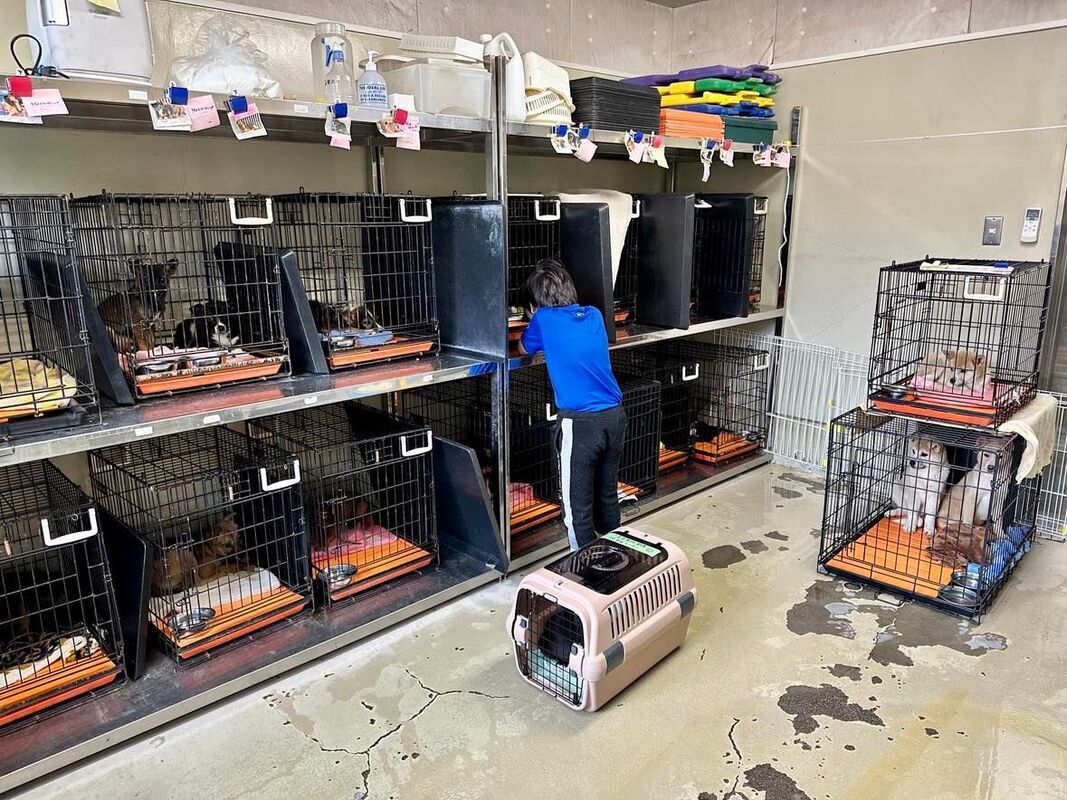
(341, 142)
(202, 112)
(586, 150)
(44, 103)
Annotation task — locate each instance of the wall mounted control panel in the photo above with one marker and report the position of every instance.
(1031, 225)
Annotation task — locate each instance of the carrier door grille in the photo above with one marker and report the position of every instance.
(644, 600)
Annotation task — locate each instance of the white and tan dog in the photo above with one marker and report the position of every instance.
(953, 371)
(964, 513)
(917, 491)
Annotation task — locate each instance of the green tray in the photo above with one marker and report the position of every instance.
(750, 130)
(723, 85)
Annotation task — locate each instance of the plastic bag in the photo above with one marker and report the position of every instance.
(229, 62)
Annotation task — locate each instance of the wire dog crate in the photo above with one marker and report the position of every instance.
(368, 490)
(639, 464)
(678, 378)
(958, 340)
(626, 280)
(46, 378)
(185, 287)
(223, 518)
(534, 233)
(925, 510)
(366, 264)
(59, 634)
(534, 493)
(729, 234)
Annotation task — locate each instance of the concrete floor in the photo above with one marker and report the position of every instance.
(791, 685)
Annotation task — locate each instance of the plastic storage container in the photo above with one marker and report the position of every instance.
(444, 88)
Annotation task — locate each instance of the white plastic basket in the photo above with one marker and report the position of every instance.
(542, 74)
(548, 102)
(452, 47)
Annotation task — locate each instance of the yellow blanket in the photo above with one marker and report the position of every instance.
(31, 386)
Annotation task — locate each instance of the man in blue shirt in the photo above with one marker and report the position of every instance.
(592, 421)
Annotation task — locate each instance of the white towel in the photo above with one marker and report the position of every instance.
(1036, 423)
(235, 589)
(620, 207)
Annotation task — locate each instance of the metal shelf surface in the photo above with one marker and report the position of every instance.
(123, 108)
(165, 693)
(166, 416)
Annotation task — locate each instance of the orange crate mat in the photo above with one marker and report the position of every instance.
(722, 448)
(621, 317)
(234, 620)
(626, 490)
(245, 371)
(395, 348)
(888, 555)
(914, 406)
(533, 514)
(375, 565)
(671, 459)
(61, 681)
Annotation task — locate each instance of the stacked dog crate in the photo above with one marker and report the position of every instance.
(924, 495)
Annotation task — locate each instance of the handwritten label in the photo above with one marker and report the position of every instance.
(586, 150)
(44, 103)
(202, 113)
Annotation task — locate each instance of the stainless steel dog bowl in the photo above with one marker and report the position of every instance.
(191, 621)
(968, 580)
(959, 596)
(210, 361)
(896, 392)
(339, 575)
(155, 369)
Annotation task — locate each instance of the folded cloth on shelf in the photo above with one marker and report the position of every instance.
(29, 383)
(58, 650)
(691, 124)
(620, 208)
(1036, 424)
(353, 541)
(521, 494)
(222, 594)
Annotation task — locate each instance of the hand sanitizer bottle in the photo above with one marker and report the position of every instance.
(370, 88)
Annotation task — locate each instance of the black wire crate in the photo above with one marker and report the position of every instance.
(958, 340)
(928, 511)
(732, 398)
(626, 279)
(368, 494)
(534, 233)
(639, 464)
(184, 287)
(366, 267)
(728, 250)
(59, 634)
(222, 517)
(46, 377)
(678, 378)
(533, 492)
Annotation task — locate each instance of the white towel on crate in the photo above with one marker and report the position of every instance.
(230, 590)
(620, 207)
(1036, 424)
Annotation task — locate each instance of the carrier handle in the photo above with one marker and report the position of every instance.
(970, 294)
(249, 221)
(763, 363)
(551, 217)
(284, 483)
(760, 207)
(691, 376)
(405, 217)
(406, 451)
(551, 417)
(73, 536)
(635, 212)
(702, 204)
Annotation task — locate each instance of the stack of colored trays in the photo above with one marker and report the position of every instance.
(688, 124)
(731, 98)
(613, 105)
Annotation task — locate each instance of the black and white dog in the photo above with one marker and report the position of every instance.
(205, 327)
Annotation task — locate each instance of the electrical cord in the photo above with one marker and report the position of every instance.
(18, 62)
(785, 231)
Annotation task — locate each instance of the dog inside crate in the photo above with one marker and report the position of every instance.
(926, 509)
(958, 341)
(366, 265)
(45, 374)
(184, 287)
(534, 234)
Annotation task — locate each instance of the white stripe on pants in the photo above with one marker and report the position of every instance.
(567, 436)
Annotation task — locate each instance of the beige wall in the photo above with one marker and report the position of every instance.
(904, 154)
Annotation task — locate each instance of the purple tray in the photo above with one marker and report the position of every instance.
(760, 71)
(651, 80)
(714, 71)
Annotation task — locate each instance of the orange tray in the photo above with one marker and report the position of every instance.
(622, 317)
(532, 515)
(164, 383)
(397, 347)
(626, 490)
(888, 555)
(722, 448)
(913, 406)
(376, 565)
(236, 621)
(55, 686)
(671, 459)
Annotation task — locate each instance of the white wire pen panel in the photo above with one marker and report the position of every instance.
(1052, 506)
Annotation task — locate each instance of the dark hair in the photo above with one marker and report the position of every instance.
(550, 285)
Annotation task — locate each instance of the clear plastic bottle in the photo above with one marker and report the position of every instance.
(340, 88)
(370, 88)
(330, 46)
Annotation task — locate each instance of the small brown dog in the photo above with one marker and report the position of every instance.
(953, 371)
(340, 515)
(216, 555)
(173, 570)
(131, 316)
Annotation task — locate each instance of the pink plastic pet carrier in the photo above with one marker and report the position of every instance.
(588, 625)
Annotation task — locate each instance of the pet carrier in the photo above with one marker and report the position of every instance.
(368, 493)
(533, 234)
(588, 625)
(639, 464)
(184, 286)
(223, 518)
(732, 398)
(958, 340)
(366, 267)
(533, 495)
(925, 510)
(626, 280)
(46, 378)
(58, 625)
(678, 378)
(728, 254)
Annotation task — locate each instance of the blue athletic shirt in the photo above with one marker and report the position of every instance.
(575, 343)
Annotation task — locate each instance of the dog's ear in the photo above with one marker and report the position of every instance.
(979, 359)
(937, 447)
